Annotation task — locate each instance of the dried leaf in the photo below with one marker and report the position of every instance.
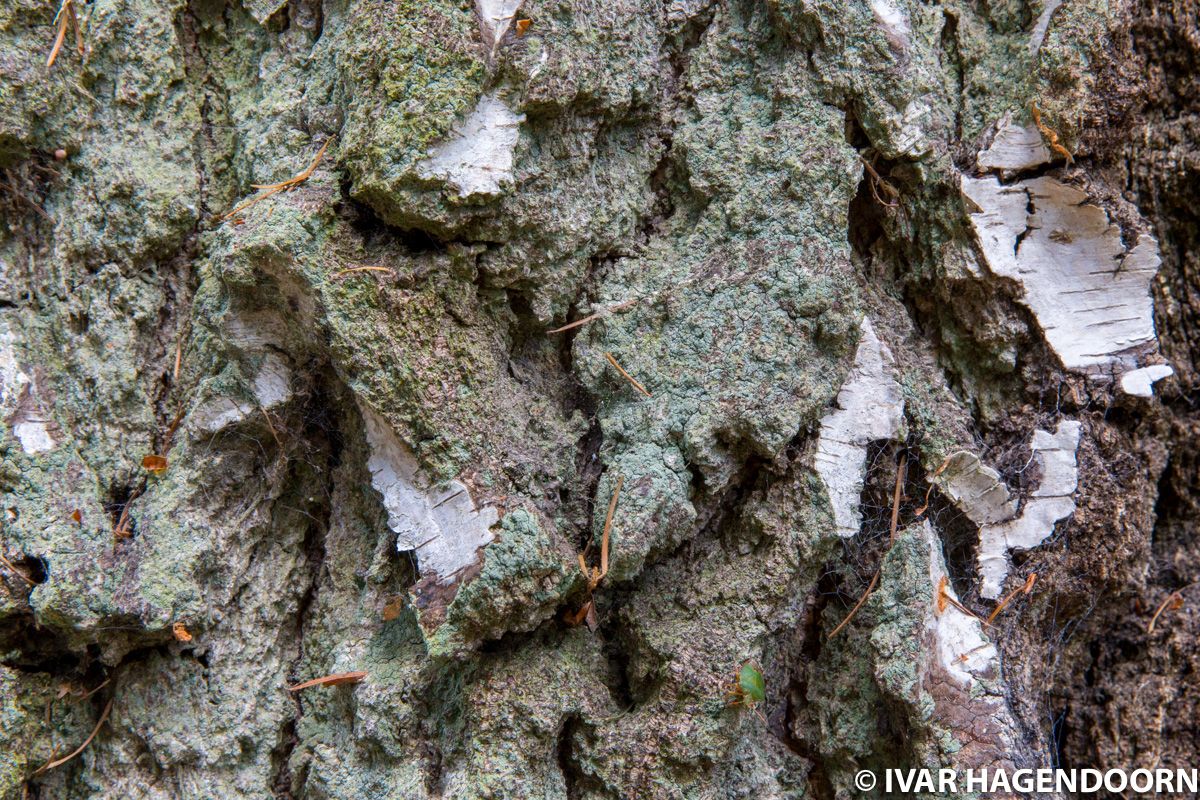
(578, 617)
(156, 465)
(393, 607)
(180, 631)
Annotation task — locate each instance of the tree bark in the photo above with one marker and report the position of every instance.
(531, 367)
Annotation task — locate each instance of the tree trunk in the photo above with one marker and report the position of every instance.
(552, 363)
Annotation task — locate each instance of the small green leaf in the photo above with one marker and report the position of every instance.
(750, 679)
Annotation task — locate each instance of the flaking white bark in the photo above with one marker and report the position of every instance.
(20, 406)
(258, 336)
(478, 157)
(1140, 382)
(959, 644)
(1050, 503)
(440, 523)
(1089, 294)
(976, 489)
(495, 17)
(1042, 25)
(1014, 148)
(870, 407)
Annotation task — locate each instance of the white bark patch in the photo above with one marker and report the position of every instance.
(253, 335)
(977, 489)
(911, 140)
(1140, 382)
(959, 643)
(272, 387)
(1090, 295)
(894, 23)
(870, 407)
(495, 18)
(1042, 25)
(978, 492)
(440, 523)
(478, 157)
(19, 404)
(1014, 148)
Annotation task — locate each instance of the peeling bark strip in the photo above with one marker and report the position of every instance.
(1090, 295)
(439, 523)
(870, 408)
(978, 491)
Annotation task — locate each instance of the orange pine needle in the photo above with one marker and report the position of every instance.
(593, 317)
(628, 377)
(1050, 135)
(921, 511)
(944, 599)
(1174, 601)
(178, 360)
(269, 189)
(1024, 588)
(337, 679)
(63, 20)
(857, 606)
(16, 571)
(900, 471)
(608, 518)
(59, 762)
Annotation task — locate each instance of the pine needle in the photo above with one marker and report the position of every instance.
(336, 679)
(59, 762)
(608, 518)
(269, 189)
(944, 599)
(63, 20)
(900, 471)
(1024, 588)
(857, 606)
(628, 377)
(1174, 600)
(592, 317)
(16, 571)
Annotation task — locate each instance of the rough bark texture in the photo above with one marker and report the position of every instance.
(789, 216)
